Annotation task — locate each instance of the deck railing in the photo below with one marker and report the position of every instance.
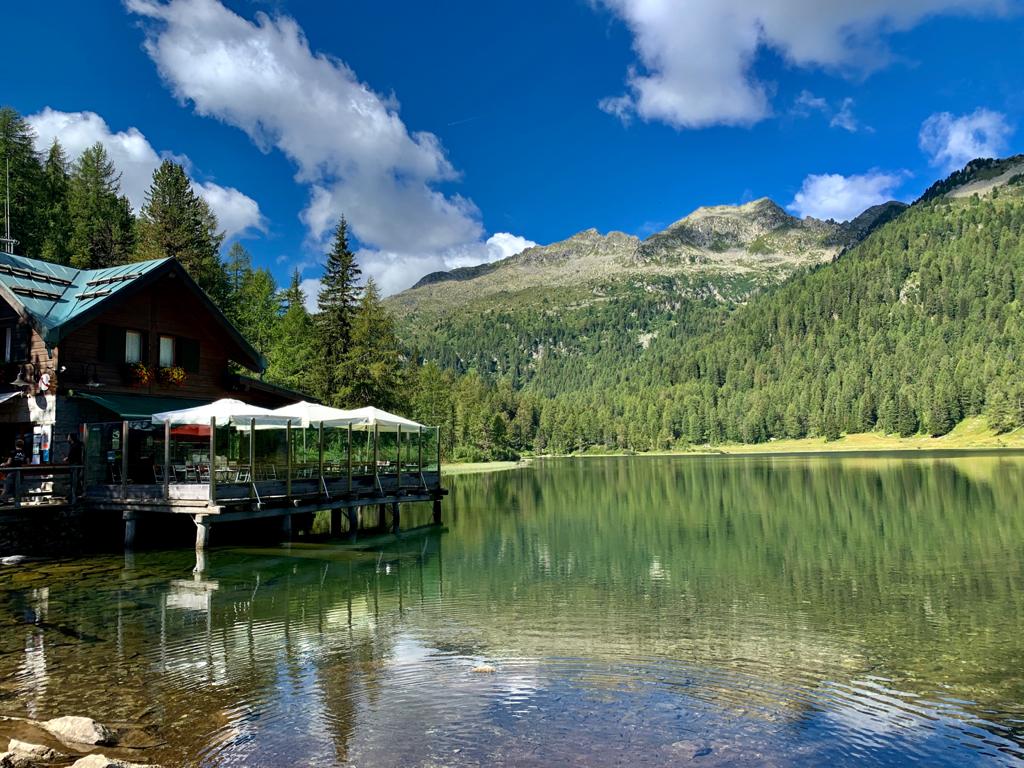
(40, 485)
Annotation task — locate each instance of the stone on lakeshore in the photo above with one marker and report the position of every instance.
(34, 751)
(102, 761)
(79, 730)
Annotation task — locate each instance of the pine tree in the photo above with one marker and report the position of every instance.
(102, 223)
(18, 159)
(177, 222)
(291, 353)
(56, 244)
(258, 310)
(337, 304)
(370, 372)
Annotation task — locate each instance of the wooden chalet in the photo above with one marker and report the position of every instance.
(98, 352)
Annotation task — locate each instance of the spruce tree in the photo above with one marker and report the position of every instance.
(177, 222)
(56, 214)
(18, 158)
(102, 223)
(371, 371)
(337, 303)
(291, 353)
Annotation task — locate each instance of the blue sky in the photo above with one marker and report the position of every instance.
(456, 133)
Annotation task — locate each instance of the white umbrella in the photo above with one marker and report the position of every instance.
(226, 411)
(306, 414)
(369, 417)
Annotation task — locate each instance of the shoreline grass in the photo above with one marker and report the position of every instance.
(971, 434)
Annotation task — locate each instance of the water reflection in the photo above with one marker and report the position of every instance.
(649, 611)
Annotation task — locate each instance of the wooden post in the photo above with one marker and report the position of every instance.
(336, 522)
(398, 466)
(213, 459)
(396, 518)
(124, 459)
(354, 515)
(167, 456)
(129, 530)
(348, 454)
(252, 457)
(437, 510)
(376, 480)
(320, 461)
(419, 450)
(84, 430)
(202, 533)
(286, 527)
(288, 465)
(438, 429)
(17, 486)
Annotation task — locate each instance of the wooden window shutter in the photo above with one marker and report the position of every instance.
(187, 351)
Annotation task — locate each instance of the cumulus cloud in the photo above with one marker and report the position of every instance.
(952, 141)
(394, 272)
(696, 58)
(834, 196)
(348, 143)
(136, 159)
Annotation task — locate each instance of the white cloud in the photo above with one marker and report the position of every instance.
(310, 289)
(348, 142)
(833, 196)
(135, 158)
(395, 272)
(845, 118)
(953, 141)
(696, 58)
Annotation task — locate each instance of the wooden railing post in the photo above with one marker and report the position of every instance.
(438, 430)
(288, 465)
(213, 459)
(320, 461)
(252, 457)
(167, 457)
(124, 459)
(348, 455)
(376, 479)
(398, 466)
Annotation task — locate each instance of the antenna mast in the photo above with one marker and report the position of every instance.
(7, 242)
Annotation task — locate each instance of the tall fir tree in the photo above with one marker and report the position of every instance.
(291, 353)
(177, 222)
(337, 302)
(20, 164)
(370, 373)
(102, 223)
(56, 214)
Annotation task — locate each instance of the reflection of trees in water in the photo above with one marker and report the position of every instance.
(910, 568)
(216, 659)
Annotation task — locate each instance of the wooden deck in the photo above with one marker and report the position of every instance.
(238, 502)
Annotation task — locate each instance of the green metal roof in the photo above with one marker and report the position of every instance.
(139, 406)
(54, 295)
(58, 299)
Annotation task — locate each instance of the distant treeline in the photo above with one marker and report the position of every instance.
(909, 332)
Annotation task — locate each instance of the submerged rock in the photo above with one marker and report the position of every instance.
(483, 669)
(33, 752)
(79, 730)
(102, 761)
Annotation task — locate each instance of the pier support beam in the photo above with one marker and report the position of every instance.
(335, 523)
(396, 518)
(355, 519)
(286, 527)
(202, 533)
(437, 510)
(129, 530)
(382, 517)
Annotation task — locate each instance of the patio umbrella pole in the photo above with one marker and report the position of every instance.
(213, 459)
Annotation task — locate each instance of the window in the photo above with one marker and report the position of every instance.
(166, 351)
(132, 347)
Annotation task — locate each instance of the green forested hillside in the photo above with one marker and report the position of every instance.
(909, 331)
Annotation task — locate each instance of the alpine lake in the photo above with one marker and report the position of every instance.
(790, 610)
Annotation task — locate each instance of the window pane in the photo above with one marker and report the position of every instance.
(132, 346)
(166, 351)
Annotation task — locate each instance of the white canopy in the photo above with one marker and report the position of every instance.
(305, 414)
(226, 411)
(369, 417)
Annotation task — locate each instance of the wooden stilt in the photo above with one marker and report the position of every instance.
(129, 530)
(335, 523)
(437, 510)
(286, 527)
(396, 517)
(202, 532)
